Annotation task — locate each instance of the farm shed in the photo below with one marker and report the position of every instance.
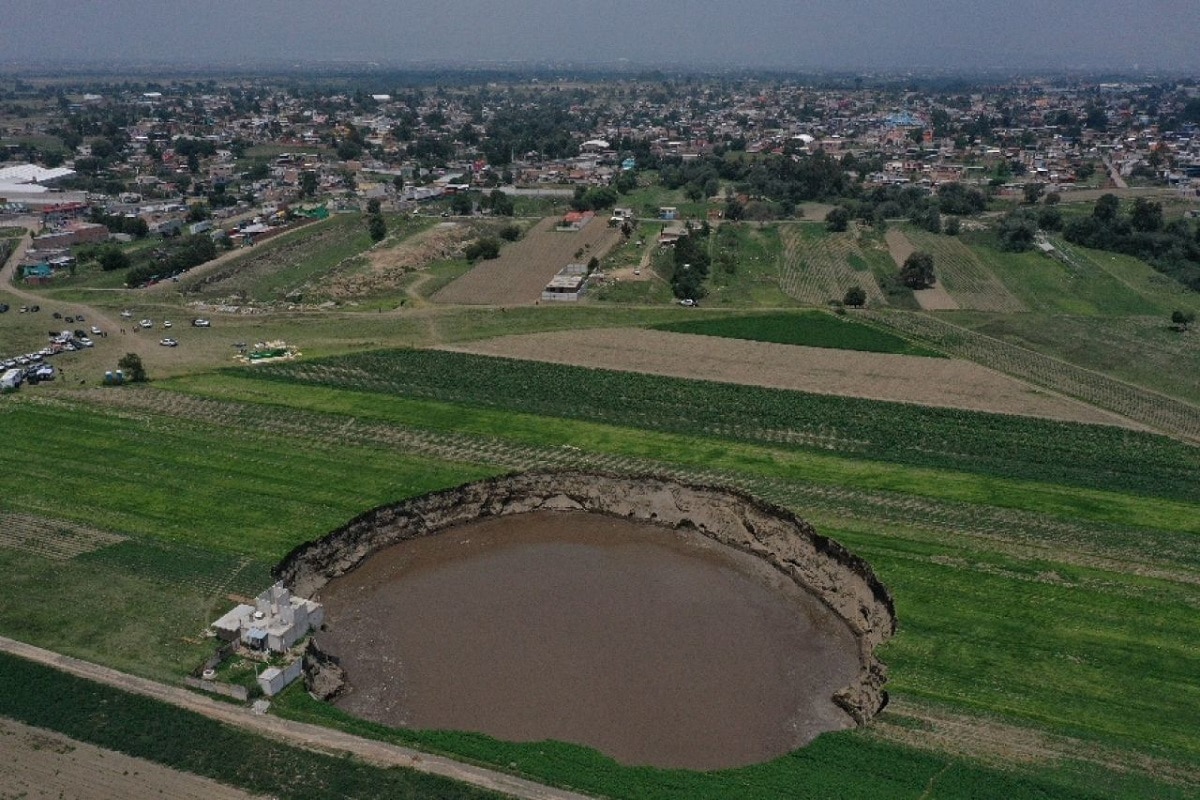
(568, 285)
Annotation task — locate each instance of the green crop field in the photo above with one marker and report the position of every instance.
(813, 329)
(1046, 575)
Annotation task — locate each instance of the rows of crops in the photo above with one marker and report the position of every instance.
(51, 538)
(1092, 542)
(819, 267)
(812, 329)
(1021, 447)
(1162, 413)
(963, 275)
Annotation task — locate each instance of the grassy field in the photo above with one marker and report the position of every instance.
(1045, 574)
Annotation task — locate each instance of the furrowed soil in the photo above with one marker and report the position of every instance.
(943, 382)
(935, 298)
(524, 267)
(36, 764)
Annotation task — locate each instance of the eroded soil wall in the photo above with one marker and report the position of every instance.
(842, 580)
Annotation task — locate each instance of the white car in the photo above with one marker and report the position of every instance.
(96, 330)
(168, 342)
(126, 314)
(146, 323)
(86, 342)
(201, 323)
(166, 323)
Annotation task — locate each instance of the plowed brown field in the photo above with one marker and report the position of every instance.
(524, 268)
(944, 382)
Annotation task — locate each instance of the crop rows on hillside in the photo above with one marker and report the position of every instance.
(820, 270)
(1083, 455)
(1160, 412)
(964, 276)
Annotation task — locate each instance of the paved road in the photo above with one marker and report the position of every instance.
(300, 734)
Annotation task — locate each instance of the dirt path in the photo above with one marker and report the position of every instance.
(298, 734)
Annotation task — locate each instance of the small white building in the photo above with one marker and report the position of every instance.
(569, 284)
(275, 622)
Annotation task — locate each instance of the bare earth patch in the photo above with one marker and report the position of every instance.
(36, 763)
(524, 267)
(943, 382)
(387, 266)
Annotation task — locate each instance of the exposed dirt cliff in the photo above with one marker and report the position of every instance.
(842, 580)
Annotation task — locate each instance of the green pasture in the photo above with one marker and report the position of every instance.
(745, 269)
(811, 328)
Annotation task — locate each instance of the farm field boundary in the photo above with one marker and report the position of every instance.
(1092, 541)
(1092, 456)
(524, 267)
(198, 722)
(946, 383)
(1157, 411)
(964, 276)
(810, 328)
(818, 266)
(39, 763)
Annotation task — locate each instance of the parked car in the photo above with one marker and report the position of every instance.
(146, 323)
(96, 330)
(86, 342)
(201, 323)
(168, 342)
(166, 323)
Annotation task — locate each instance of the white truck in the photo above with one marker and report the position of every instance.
(11, 379)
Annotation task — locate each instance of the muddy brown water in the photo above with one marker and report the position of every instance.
(652, 645)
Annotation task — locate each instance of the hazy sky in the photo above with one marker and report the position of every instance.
(855, 34)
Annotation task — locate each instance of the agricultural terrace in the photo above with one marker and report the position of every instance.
(948, 383)
(819, 266)
(961, 273)
(524, 267)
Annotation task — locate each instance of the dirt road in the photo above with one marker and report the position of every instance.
(299, 734)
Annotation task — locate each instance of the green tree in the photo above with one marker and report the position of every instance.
(1033, 192)
(1182, 320)
(1017, 232)
(112, 259)
(855, 297)
(1106, 207)
(917, 272)
(837, 220)
(373, 205)
(131, 365)
(376, 227)
(1146, 215)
